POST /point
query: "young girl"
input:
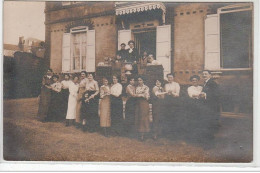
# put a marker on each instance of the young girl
(105, 117)
(71, 112)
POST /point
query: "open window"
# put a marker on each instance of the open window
(78, 50)
(228, 38)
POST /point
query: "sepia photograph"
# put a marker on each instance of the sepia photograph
(128, 81)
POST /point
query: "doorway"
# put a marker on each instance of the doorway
(146, 41)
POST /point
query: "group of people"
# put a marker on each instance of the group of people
(132, 56)
(84, 104)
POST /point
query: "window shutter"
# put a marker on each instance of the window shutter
(212, 42)
(163, 47)
(91, 52)
(123, 37)
(66, 60)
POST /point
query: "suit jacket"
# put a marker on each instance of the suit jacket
(133, 56)
(212, 94)
(123, 54)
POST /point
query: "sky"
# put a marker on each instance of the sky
(23, 19)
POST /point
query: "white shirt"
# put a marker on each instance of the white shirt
(174, 87)
(116, 89)
(194, 91)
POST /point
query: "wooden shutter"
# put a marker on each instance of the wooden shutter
(91, 51)
(123, 37)
(66, 58)
(212, 42)
(163, 47)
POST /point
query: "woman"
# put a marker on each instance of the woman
(194, 107)
(65, 95)
(158, 95)
(130, 105)
(116, 105)
(142, 108)
(54, 113)
(45, 96)
(90, 104)
(82, 86)
(105, 111)
(132, 56)
(72, 103)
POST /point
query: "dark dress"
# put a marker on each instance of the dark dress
(123, 53)
(45, 98)
(116, 109)
(157, 108)
(65, 98)
(130, 109)
(55, 109)
(89, 111)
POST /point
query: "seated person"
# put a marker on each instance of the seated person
(152, 61)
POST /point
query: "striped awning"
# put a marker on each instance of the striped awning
(124, 8)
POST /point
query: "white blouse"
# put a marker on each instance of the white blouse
(73, 89)
(173, 87)
(194, 91)
(65, 84)
(116, 89)
(143, 91)
(83, 82)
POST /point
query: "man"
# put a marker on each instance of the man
(143, 62)
(211, 107)
(122, 53)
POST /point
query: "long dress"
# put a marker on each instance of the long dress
(105, 111)
(193, 109)
(65, 97)
(72, 103)
(142, 109)
(82, 86)
(172, 109)
(116, 108)
(130, 108)
(54, 113)
(157, 108)
(45, 98)
(89, 108)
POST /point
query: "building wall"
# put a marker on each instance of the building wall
(189, 40)
(104, 25)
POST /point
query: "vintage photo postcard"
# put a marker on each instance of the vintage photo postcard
(128, 81)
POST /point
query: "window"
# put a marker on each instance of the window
(228, 38)
(78, 50)
(235, 32)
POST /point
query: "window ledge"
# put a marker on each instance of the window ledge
(236, 69)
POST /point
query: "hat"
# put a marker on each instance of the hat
(122, 44)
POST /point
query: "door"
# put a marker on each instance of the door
(123, 37)
(163, 47)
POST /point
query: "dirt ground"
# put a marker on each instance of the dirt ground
(27, 139)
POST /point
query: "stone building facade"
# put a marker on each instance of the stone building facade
(186, 37)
